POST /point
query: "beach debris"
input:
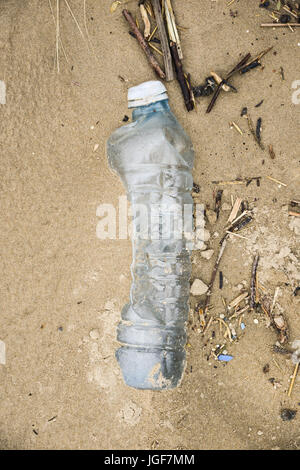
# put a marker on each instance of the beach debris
(264, 4)
(235, 210)
(258, 130)
(240, 181)
(296, 361)
(266, 368)
(286, 414)
(280, 350)
(253, 282)
(276, 320)
(218, 89)
(278, 25)
(164, 40)
(244, 111)
(206, 89)
(183, 80)
(259, 104)
(115, 5)
(198, 287)
(143, 43)
(224, 357)
(296, 354)
(218, 201)
(250, 66)
(276, 181)
(233, 124)
(214, 273)
(196, 188)
(276, 383)
(237, 300)
(207, 254)
(294, 208)
(271, 152)
(147, 24)
(172, 28)
(220, 81)
(221, 280)
(255, 133)
(293, 379)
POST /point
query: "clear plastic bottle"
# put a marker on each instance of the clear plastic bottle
(154, 158)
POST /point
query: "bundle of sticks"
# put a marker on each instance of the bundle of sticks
(161, 12)
(158, 17)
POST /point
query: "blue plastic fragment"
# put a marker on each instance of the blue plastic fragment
(225, 358)
(243, 326)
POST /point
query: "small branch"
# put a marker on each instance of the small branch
(172, 29)
(181, 78)
(164, 40)
(293, 379)
(143, 43)
(237, 68)
(253, 281)
(276, 25)
(147, 25)
(214, 273)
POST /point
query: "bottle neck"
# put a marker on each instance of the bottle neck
(159, 106)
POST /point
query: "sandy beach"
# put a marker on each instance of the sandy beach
(62, 288)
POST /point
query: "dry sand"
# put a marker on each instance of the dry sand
(62, 288)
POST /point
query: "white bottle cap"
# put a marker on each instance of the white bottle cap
(146, 93)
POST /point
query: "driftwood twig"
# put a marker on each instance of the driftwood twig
(253, 282)
(164, 40)
(214, 273)
(181, 78)
(143, 43)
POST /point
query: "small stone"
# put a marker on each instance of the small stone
(200, 245)
(287, 415)
(206, 235)
(198, 287)
(279, 322)
(255, 321)
(211, 216)
(259, 433)
(207, 254)
(96, 146)
(94, 334)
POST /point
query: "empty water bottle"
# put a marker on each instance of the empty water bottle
(154, 158)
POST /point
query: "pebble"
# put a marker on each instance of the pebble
(198, 287)
(94, 334)
(207, 254)
(255, 321)
(260, 433)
